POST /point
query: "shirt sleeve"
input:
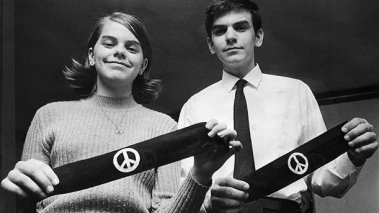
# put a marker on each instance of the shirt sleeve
(187, 114)
(186, 118)
(338, 176)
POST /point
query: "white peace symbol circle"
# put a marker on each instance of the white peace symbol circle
(127, 164)
(300, 167)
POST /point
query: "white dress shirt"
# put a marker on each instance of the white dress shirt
(283, 114)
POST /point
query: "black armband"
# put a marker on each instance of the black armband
(296, 164)
(136, 158)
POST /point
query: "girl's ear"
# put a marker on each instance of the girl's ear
(91, 57)
(143, 66)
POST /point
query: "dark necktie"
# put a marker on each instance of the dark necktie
(244, 160)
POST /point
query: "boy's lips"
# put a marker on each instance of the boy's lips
(232, 48)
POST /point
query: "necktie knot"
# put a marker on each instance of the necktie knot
(241, 83)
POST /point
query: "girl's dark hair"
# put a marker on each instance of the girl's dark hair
(82, 77)
(219, 7)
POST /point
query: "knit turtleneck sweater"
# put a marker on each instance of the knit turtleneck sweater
(65, 132)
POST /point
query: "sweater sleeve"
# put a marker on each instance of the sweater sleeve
(38, 142)
(168, 197)
(188, 198)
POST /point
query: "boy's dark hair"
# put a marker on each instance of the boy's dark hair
(219, 7)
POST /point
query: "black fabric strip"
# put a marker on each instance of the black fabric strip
(277, 174)
(153, 153)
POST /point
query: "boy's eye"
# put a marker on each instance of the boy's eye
(218, 31)
(241, 27)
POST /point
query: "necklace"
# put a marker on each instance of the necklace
(119, 130)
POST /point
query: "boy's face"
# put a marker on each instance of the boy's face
(233, 41)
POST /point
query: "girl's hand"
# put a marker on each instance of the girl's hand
(31, 177)
(206, 163)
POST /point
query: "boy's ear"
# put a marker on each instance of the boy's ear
(211, 46)
(259, 38)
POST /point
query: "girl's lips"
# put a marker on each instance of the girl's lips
(118, 62)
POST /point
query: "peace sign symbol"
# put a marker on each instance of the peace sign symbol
(300, 162)
(129, 159)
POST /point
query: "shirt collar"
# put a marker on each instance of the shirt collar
(254, 77)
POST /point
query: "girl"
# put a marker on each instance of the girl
(114, 83)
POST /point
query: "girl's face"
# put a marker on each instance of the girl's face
(117, 57)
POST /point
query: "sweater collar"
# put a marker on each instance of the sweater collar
(113, 103)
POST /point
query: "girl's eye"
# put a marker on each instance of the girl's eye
(108, 44)
(132, 48)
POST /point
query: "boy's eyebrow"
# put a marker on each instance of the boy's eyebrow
(217, 26)
(244, 22)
